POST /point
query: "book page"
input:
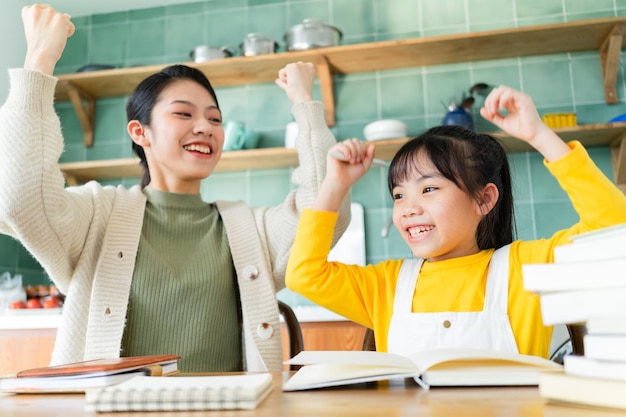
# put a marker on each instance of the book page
(340, 357)
(429, 358)
(418, 362)
(606, 232)
(327, 375)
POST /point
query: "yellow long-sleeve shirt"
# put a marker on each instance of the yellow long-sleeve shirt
(366, 294)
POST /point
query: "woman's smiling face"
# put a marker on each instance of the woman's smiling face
(184, 141)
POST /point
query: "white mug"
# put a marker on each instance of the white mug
(291, 131)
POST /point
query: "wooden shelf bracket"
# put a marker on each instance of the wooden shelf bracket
(618, 157)
(326, 85)
(85, 107)
(609, 57)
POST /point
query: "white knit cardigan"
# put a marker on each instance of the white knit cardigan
(87, 237)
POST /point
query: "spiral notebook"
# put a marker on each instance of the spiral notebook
(220, 392)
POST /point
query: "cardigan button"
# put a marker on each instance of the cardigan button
(447, 324)
(251, 272)
(120, 254)
(265, 330)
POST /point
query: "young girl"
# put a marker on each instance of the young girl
(153, 269)
(453, 207)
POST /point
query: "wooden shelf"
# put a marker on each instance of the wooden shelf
(80, 172)
(610, 134)
(603, 35)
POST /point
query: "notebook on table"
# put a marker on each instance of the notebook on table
(190, 393)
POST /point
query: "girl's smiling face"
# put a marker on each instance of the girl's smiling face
(436, 218)
(184, 140)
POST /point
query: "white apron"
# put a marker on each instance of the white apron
(488, 329)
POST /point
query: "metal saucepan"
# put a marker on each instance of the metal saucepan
(257, 44)
(204, 53)
(311, 34)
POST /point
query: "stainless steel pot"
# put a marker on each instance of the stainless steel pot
(311, 34)
(257, 44)
(204, 53)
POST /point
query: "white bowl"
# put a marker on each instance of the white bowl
(385, 129)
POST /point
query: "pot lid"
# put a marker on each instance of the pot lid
(313, 24)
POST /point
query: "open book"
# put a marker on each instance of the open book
(79, 376)
(439, 367)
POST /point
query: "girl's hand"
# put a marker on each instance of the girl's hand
(522, 121)
(357, 159)
(341, 175)
(46, 33)
(297, 81)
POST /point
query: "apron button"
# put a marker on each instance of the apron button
(447, 324)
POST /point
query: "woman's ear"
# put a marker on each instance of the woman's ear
(488, 199)
(137, 133)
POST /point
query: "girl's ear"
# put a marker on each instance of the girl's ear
(137, 133)
(488, 199)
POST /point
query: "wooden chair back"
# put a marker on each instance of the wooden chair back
(296, 343)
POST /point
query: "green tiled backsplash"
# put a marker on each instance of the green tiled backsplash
(164, 35)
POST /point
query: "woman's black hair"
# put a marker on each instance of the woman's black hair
(143, 98)
(470, 160)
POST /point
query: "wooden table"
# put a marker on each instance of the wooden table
(387, 399)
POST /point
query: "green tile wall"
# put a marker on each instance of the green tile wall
(166, 35)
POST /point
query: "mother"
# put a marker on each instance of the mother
(153, 269)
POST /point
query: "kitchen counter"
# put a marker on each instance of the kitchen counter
(31, 319)
(315, 314)
(27, 336)
(51, 319)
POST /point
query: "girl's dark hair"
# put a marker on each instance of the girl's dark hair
(470, 160)
(143, 98)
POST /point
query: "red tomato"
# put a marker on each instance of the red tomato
(17, 305)
(51, 302)
(33, 303)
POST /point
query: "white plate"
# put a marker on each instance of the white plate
(385, 129)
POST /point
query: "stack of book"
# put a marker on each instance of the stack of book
(586, 284)
(80, 376)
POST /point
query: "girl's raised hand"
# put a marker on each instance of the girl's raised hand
(522, 121)
(347, 162)
(46, 33)
(297, 80)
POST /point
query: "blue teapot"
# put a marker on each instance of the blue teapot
(458, 116)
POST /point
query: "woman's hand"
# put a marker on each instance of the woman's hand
(297, 81)
(347, 162)
(522, 121)
(46, 33)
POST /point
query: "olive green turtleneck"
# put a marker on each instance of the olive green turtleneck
(183, 296)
